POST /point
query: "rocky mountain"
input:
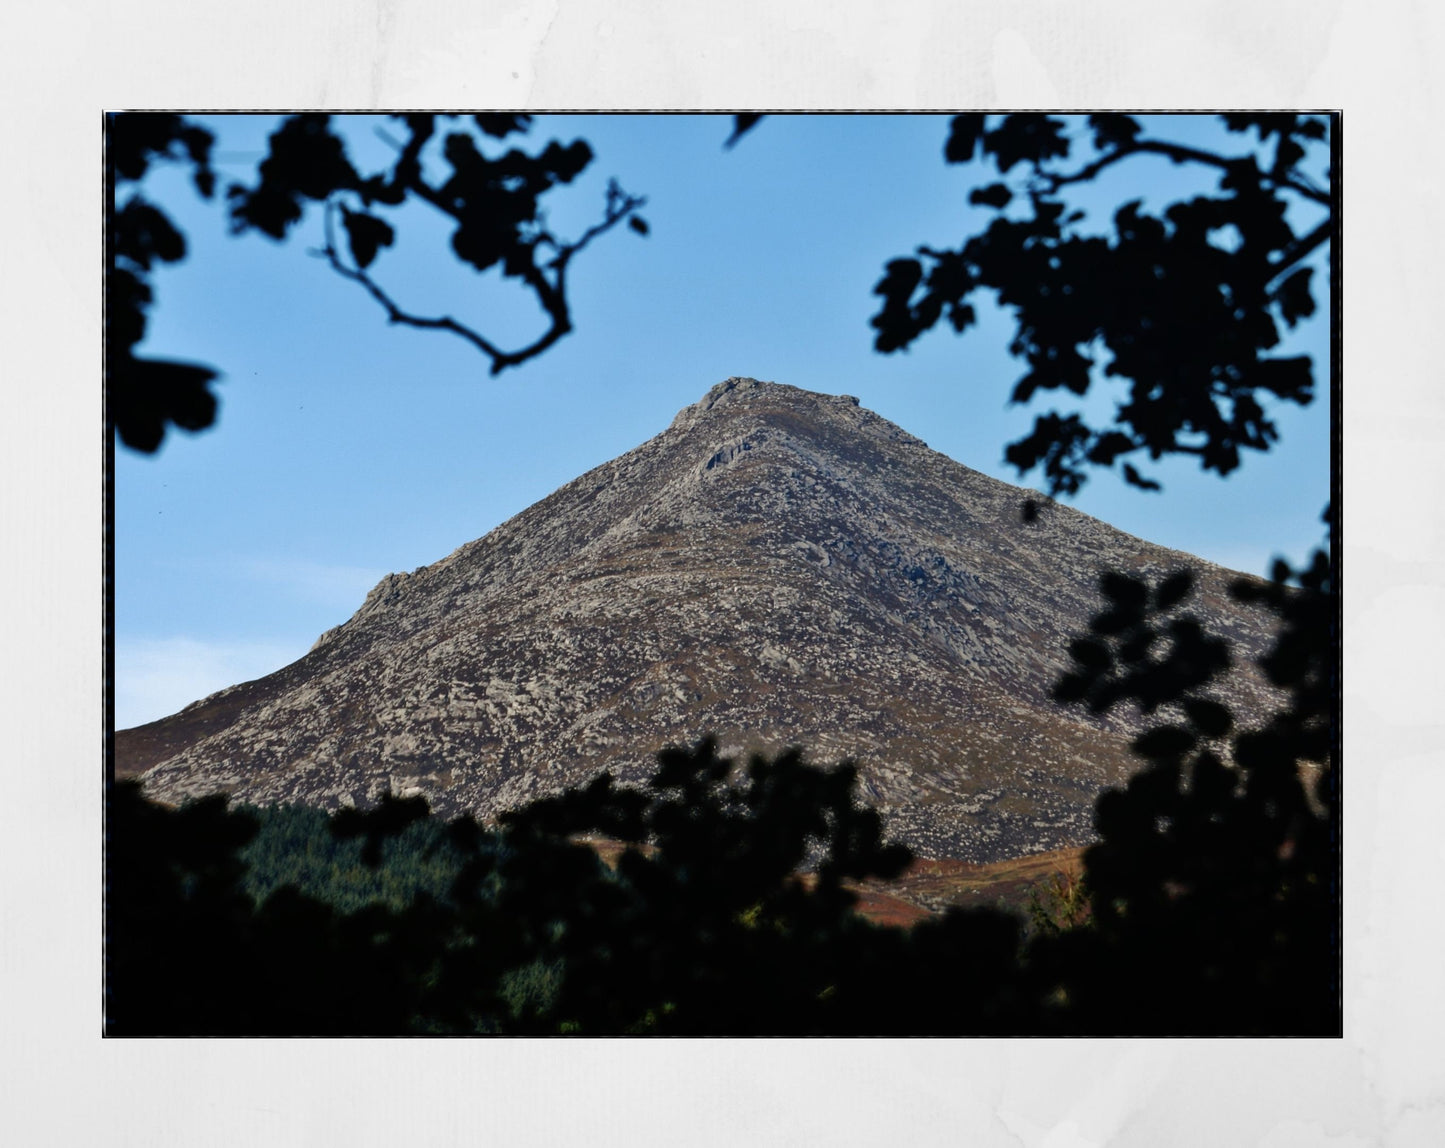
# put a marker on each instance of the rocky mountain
(778, 567)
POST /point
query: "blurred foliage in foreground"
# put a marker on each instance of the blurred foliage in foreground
(1212, 894)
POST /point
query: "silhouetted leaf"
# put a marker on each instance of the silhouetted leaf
(127, 296)
(566, 161)
(1296, 302)
(1091, 653)
(499, 125)
(1072, 687)
(638, 224)
(267, 209)
(1287, 153)
(1174, 589)
(1123, 589)
(1112, 130)
(1264, 123)
(147, 394)
(1164, 743)
(961, 316)
(1026, 137)
(1134, 478)
(141, 233)
(1210, 718)
(1137, 647)
(1248, 590)
(964, 132)
(1108, 446)
(896, 323)
(996, 195)
(1115, 621)
(743, 123)
(366, 233)
(306, 161)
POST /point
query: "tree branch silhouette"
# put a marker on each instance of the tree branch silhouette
(1185, 322)
(1052, 182)
(493, 199)
(551, 293)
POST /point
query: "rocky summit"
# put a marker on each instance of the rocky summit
(776, 568)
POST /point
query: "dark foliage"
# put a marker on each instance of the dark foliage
(1214, 889)
(743, 123)
(492, 198)
(188, 952)
(707, 928)
(727, 913)
(1213, 894)
(1212, 897)
(1160, 302)
(147, 395)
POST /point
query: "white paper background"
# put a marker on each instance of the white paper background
(61, 64)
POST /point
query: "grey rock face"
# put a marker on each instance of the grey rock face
(777, 568)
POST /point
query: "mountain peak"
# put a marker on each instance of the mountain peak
(740, 392)
(779, 567)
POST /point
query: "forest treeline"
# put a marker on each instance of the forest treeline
(1213, 890)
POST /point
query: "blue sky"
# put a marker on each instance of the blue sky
(346, 448)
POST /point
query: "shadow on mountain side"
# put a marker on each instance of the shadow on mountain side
(1213, 895)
